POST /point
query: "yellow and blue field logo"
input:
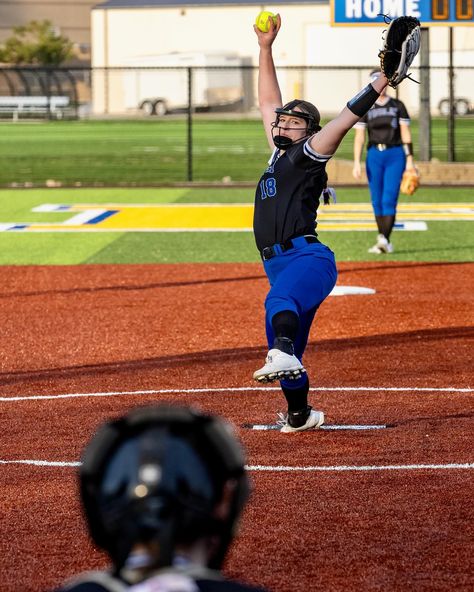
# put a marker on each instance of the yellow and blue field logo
(221, 217)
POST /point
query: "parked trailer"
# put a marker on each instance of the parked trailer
(159, 84)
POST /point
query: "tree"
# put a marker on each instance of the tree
(36, 43)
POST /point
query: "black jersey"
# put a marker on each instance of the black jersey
(287, 195)
(383, 122)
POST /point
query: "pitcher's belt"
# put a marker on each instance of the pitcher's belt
(382, 147)
(292, 243)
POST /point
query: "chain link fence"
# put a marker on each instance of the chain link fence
(155, 125)
(158, 91)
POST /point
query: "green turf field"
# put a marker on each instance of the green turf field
(155, 151)
(443, 241)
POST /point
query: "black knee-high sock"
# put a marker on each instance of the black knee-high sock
(378, 221)
(285, 326)
(385, 225)
(297, 398)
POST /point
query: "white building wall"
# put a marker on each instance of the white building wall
(151, 31)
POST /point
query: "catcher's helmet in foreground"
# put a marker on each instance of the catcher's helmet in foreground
(155, 476)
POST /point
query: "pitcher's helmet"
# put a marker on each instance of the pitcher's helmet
(306, 111)
(156, 475)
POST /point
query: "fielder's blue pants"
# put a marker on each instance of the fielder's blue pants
(384, 173)
(300, 279)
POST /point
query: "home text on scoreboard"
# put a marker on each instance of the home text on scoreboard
(428, 12)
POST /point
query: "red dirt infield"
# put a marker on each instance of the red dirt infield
(387, 509)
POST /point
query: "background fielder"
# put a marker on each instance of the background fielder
(389, 154)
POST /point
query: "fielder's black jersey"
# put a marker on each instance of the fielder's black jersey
(287, 195)
(383, 122)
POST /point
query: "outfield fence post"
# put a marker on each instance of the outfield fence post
(190, 124)
(451, 131)
(48, 74)
(424, 153)
(73, 82)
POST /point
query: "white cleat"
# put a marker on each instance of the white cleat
(381, 246)
(314, 419)
(375, 250)
(279, 365)
(388, 248)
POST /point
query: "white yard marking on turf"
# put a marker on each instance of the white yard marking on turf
(83, 217)
(242, 389)
(38, 227)
(45, 208)
(283, 468)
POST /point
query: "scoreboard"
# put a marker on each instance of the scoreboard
(428, 12)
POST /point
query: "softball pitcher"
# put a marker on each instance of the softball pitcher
(300, 269)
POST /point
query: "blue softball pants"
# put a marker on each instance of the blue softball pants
(384, 173)
(300, 279)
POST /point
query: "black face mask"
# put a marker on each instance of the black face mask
(312, 126)
(283, 142)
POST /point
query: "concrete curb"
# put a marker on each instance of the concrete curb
(432, 173)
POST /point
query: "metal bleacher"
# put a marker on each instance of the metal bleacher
(53, 106)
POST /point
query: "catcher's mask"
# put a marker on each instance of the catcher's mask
(307, 111)
(156, 476)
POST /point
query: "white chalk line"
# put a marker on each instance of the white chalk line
(283, 468)
(41, 463)
(336, 468)
(235, 390)
(329, 427)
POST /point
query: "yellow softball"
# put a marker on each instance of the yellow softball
(262, 20)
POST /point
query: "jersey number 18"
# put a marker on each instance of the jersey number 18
(268, 187)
